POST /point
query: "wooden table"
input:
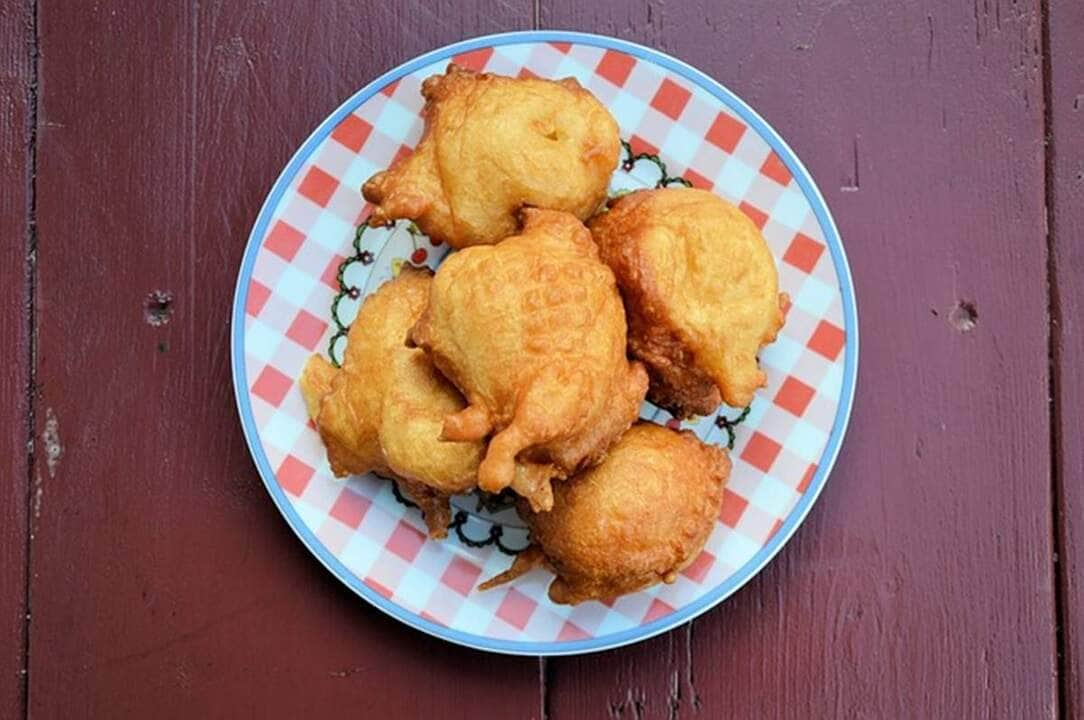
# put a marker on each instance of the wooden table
(144, 571)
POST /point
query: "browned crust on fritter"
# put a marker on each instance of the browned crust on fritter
(599, 558)
(677, 384)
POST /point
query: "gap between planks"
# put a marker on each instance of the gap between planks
(30, 306)
(1053, 313)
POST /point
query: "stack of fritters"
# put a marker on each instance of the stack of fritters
(524, 360)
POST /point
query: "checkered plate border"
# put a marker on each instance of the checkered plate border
(783, 453)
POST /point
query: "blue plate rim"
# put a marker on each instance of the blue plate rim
(714, 596)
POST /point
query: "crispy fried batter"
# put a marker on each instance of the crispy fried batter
(637, 519)
(701, 292)
(493, 145)
(383, 410)
(532, 331)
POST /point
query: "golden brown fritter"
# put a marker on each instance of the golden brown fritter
(701, 292)
(383, 411)
(637, 519)
(532, 331)
(493, 145)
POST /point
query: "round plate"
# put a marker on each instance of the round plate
(305, 251)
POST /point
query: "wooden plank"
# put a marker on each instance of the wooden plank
(1065, 109)
(921, 585)
(164, 578)
(16, 37)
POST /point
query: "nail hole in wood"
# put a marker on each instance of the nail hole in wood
(158, 308)
(964, 317)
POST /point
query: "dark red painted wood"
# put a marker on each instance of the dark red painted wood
(1066, 112)
(15, 81)
(921, 585)
(164, 579)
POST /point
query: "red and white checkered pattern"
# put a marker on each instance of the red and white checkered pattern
(382, 542)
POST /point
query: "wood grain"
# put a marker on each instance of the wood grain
(15, 130)
(1065, 108)
(921, 585)
(164, 580)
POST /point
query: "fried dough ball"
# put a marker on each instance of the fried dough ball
(635, 520)
(701, 292)
(383, 411)
(493, 145)
(533, 333)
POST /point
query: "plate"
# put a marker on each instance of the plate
(307, 266)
